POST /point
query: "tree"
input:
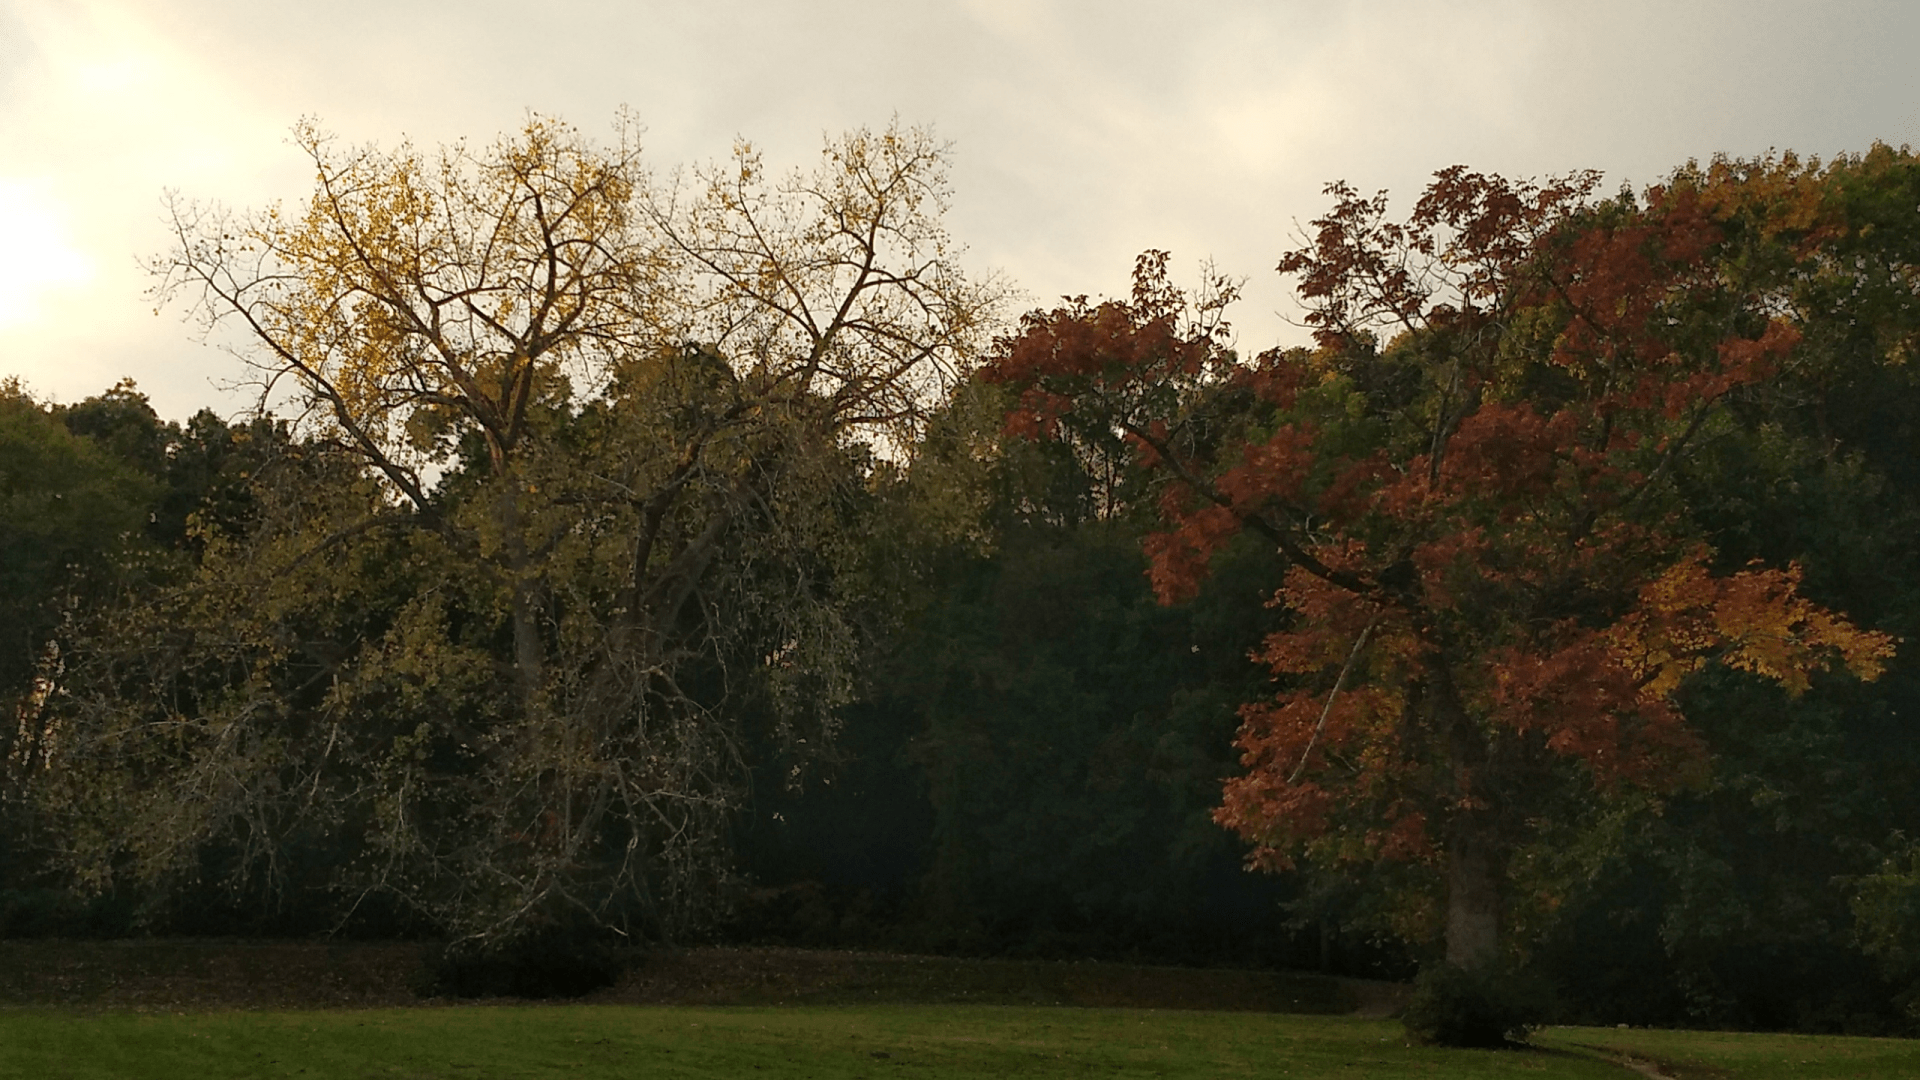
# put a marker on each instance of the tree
(417, 299)
(72, 516)
(97, 495)
(1731, 903)
(1497, 597)
(521, 686)
(71, 507)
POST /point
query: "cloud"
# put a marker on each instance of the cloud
(108, 112)
(34, 230)
(1084, 131)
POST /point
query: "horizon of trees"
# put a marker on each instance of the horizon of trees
(768, 586)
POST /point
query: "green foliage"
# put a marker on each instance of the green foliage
(1886, 910)
(1072, 733)
(95, 499)
(70, 509)
(74, 517)
(326, 724)
(1069, 730)
(1032, 768)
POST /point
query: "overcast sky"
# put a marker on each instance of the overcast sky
(1082, 132)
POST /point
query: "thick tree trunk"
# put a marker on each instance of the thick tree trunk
(529, 660)
(529, 651)
(1475, 858)
(1473, 896)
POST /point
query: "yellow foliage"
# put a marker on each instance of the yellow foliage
(1754, 621)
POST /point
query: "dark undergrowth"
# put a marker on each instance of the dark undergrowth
(207, 973)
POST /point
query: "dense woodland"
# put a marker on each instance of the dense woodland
(627, 560)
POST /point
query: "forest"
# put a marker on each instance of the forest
(619, 561)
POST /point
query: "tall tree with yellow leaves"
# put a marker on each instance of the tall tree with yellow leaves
(648, 406)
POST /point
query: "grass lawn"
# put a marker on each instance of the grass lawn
(626, 1041)
(1700, 1055)
(907, 1042)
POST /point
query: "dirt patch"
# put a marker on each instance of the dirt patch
(293, 975)
(209, 974)
(1377, 1000)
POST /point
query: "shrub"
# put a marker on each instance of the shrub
(1492, 1006)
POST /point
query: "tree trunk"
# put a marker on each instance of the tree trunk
(1473, 896)
(1475, 860)
(529, 651)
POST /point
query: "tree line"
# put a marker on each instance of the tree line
(651, 560)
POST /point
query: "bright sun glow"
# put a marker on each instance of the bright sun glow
(39, 255)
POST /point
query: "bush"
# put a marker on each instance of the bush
(1492, 1006)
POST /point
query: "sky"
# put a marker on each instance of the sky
(1082, 133)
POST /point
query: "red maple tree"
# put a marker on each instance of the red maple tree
(1496, 593)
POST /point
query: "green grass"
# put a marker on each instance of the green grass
(1700, 1055)
(620, 1041)
(903, 1042)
